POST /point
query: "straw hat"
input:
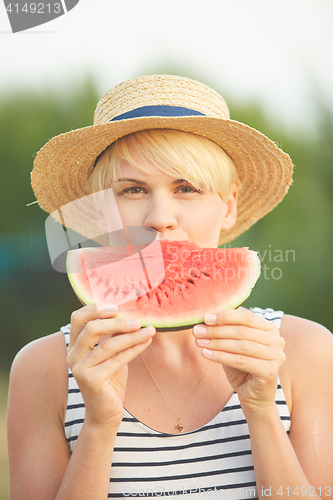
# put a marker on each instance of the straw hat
(63, 166)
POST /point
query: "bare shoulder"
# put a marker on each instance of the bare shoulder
(309, 354)
(46, 353)
(302, 336)
(37, 448)
(309, 372)
(39, 372)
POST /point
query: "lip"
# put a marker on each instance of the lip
(163, 238)
(173, 239)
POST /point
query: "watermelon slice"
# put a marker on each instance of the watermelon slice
(167, 283)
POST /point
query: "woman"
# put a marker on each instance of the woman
(238, 406)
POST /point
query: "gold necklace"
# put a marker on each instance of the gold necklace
(179, 426)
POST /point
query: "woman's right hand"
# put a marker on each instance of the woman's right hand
(101, 370)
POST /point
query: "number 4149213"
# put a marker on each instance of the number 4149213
(303, 491)
(34, 8)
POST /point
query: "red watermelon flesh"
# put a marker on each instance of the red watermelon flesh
(166, 284)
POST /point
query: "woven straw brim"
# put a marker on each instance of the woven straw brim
(63, 166)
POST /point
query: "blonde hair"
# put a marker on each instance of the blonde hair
(194, 158)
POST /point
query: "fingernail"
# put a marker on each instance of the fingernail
(147, 329)
(202, 342)
(200, 330)
(132, 323)
(207, 352)
(211, 318)
(111, 308)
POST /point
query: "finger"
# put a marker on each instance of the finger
(237, 332)
(240, 316)
(267, 369)
(94, 330)
(82, 316)
(242, 347)
(113, 346)
(114, 363)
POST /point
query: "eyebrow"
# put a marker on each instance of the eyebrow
(143, 183)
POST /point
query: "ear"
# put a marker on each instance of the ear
(231, 213)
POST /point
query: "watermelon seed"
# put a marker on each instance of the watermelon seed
(191, 281)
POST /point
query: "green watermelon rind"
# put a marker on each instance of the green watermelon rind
(168, 322)
(82, 296)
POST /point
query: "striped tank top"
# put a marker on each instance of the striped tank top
(214, 460)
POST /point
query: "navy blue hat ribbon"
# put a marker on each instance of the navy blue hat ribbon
(158, 110)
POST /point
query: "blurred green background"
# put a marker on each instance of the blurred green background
(294, 241)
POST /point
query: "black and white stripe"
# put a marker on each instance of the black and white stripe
(214, 460)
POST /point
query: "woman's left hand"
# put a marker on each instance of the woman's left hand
(250, 349)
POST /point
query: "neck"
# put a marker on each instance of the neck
(174, 348)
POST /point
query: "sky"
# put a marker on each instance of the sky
(278, 52)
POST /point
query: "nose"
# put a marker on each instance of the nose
(161, 214)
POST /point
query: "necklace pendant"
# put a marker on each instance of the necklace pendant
(179, 427)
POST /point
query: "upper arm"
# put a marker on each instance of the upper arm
(309, 351)
(37, 448)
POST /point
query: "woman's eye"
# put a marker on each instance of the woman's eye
(132, 190)
(189, 189)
